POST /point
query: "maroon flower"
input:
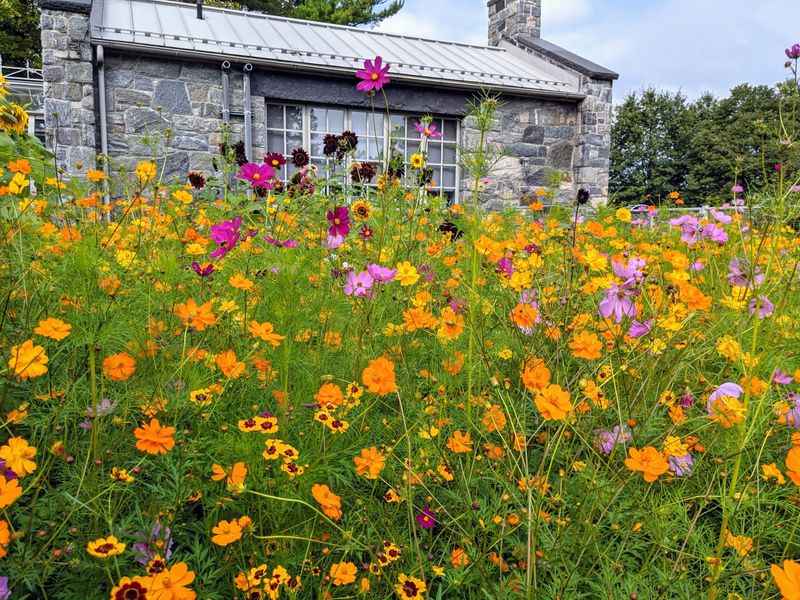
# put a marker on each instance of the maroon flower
(275, 160)
(426, 519)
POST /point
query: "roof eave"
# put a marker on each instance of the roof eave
(567, 58)
(200, 55)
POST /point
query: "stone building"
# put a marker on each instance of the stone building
(138, 79)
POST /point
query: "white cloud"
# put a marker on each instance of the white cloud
(558, 12)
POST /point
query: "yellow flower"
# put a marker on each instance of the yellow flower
(406, 273)
(623, 214)
(105, 547)
(28, 360)
(182, 196)
(417, 161)
(53, 328)
(145, 171)
(17, 455)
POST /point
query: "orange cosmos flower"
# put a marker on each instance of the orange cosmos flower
(793, 465)
(226, 532)
(524, 315)
(553, 403)
(154, 438)
(119, 367)
(192, 315)
(236, 475)
(535, 375)
(787, 579)
(649, 461)
(331, 503)
(458, 558)
(370, 463)
(264, 331)
(343, 573)
(28, 360)
(329, 396)
(586, 345)
(170, 584)
(17, 455)
(460, 443)
(494, 419)
(694, 298)
(240, 282)
(229, 364)
(378, 377)
(9, 491)
(53, 328)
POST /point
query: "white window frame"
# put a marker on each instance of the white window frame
(387, 124)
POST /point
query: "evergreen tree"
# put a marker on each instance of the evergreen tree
(342, 12)
(20, 40)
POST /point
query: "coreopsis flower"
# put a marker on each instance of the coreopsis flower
(28, 360)
(787, 579)
(330, 503)
(226, 532)
(649, 461)
(170, 584)
(119, 367)
(379, 377)
(343, 573)
(410, 588)
(105, 547)
(373, 76)
(53, 328)
(128, 588)
(339, 219)
(370, 463)
(154, 438)
(259, 176)
(553, 402)
(266, 332)
(195, 316)
(16, 455)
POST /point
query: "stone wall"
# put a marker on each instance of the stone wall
(177, 104)
(69, 104)
(511, 18)
(539, 138)
(593, 150)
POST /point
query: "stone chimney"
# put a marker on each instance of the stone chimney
(512, 18)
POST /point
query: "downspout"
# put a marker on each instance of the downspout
(226, 95)
(101, 91)
(248, 113)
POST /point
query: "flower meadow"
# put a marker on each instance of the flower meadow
(247, 385)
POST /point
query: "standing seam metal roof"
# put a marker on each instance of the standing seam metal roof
(172, 27)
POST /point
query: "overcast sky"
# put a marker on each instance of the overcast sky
(688, 45)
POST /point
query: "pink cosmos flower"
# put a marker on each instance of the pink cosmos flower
(381, 274)
(257, 175)
(426, 519)
(359, 285)
(373, 76)
(716, 233)
(332, 242)
(638, 330)
(427, 129)
(764, 306)
(781, 378)
(281, 244)
(203, 271)
(340, 221)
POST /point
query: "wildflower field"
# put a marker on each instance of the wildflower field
(340, 387)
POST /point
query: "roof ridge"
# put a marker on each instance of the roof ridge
(208, 8)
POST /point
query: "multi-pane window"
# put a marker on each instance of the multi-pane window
(293, 126)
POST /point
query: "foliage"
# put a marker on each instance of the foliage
(20, 39)
(342, 12)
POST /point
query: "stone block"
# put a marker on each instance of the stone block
(172, 97)
(118, 77)
(159, 69)
(559, 156)
(143, 120)
(533, 134)
(559, 133)
(527, 150)
(79, 72)
(190, 141)
(78, 27)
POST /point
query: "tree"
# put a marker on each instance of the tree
(342, 12)
(650, 139)
(20, 40)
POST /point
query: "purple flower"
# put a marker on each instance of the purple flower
(792, 415)
(332, 242)
(617, 302)
(427, 129)
(687, 400)
(764, 306)
(5, 593)
(689, 228)
(739, 273)
(285, 244)
(730, 390)
(619, 434)
(426, 519)
(504, 266)
(782, 378)
(257, 175)
(793, 52)
(339, 218)
(721, 216)
(373, 75)
(158, 541)
(6, 471)
(106, 407)
(631, 273)
(226, 235)
(203, 271)
(638, 330)
(716, 233)
(737, 189)
(359, 285)
(682, 466)
(381, 274)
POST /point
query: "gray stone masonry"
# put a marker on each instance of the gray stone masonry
(511, 18)
(533, 139)
(172, 110)
(69, 102)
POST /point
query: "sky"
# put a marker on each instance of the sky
(692, 46)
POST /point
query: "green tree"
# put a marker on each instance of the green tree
(20, 40)
(342, 12)
(650, 137)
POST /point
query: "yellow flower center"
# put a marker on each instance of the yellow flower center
(256, 176)
(374, 77)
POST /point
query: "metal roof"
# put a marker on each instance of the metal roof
(169, 27)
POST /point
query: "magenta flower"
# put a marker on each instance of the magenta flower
(340, 221)
(365, 233)
(203, 271)
(281, 244)
(381, 274)
(426, 519)
(427, 129)
(275, 160)
(225, 234)
(373, 76)
(257, 175)
(793, 52)
(359, 285)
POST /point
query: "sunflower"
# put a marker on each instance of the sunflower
(13, 118)
(417, 161)
(361, 210)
